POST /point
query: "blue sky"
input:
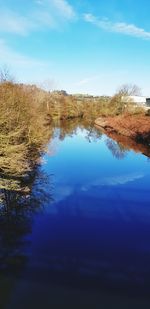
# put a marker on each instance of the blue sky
(82, 46)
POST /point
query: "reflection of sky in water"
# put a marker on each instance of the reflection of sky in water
(79, 166)
(98, 225)
(96, 194)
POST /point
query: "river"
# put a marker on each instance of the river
(84, 239)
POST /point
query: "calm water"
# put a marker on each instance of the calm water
(85, 240)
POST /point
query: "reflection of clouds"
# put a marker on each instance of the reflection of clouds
(102, 199)
(81, 132)
(113, 181)
(121, 180)
(53, 148)
(43, 161)
(51, 151)
(61, 192)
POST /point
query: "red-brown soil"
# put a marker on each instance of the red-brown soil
(133, 132)
(135, 127)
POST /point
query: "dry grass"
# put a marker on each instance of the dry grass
(136, 127)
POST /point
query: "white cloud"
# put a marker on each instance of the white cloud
(40, 2)
(45, 14)
(15, 58)
(118, 27)
(64, 8)
(13, 23)
(87, 80)
(25, 69)
(43, 18)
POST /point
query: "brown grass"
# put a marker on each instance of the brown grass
(136, 127)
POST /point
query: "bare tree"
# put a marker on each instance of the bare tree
(129, 89)
(48, 84)
(5, 74)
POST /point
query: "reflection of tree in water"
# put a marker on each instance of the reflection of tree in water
(16, 215)
(70, 127)
(93, 135)
(22, 198)
(117, 149)
(18, 206)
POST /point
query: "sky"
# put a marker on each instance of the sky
(81, 46)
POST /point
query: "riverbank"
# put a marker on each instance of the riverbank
(28, 116)
(135, 127)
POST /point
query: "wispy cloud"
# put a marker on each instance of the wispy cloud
(44, 14)
(87, 80)
(27, 69)
(16, 58)
(14, 23)
(118, 27)
(64, 8)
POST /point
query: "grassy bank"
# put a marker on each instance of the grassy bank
(28, 115)
(22, 133)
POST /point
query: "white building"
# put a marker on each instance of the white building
(139, 100)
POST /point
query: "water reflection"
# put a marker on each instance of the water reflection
(16, 218)
(18, 207)
(70, 127)
(126, 144)
(83, 224)
(117, 149)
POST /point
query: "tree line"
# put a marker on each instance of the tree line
(28, 115)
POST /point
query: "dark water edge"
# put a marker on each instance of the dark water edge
(127, 142)
(81, 239)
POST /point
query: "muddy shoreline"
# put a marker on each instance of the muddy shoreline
(132, 132)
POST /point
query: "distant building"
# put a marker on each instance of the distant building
(90, 98)
(60, 92)
(139, 100)
(148, 101)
